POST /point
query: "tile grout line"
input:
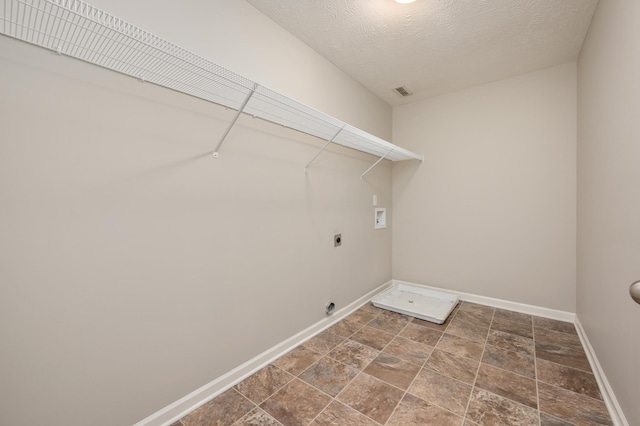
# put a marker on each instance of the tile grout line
(569, 390)
(326, 355)
(273, 393)
(535, 371)
(237, 422)
(342, 390)
(561, 365)
(564, 365)
(335, 398)
(509, 371)
(473, 386)
(563, 420)
(535, 365)
(421, 367)
(242, 395)
(410, 384)
(294, 378)
(480, 362)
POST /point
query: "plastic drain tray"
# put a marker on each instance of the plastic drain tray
(430, 305)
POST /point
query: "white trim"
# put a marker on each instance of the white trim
(206, 393)
(504, 304)
(610, 400)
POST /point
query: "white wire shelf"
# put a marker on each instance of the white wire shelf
(77, 29)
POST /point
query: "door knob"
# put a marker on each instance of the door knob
(634, 290)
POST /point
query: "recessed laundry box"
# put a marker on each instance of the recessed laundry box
(424, 303)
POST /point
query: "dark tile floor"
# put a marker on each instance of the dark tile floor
(483, 366)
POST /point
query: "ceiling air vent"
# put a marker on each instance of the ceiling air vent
(402, 91)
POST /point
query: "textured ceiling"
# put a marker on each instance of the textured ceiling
(435, 46)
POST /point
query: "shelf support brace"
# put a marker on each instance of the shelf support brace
(323, 148)
(235, 118)
(376, 163)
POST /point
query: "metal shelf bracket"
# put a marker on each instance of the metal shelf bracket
(235, 118)
(323, 148)
(376, 163)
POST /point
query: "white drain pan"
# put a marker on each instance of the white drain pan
(430, 305)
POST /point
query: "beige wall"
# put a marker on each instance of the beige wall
(609, 196)
(492, 209)
(134, 267)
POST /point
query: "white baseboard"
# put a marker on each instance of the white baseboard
(615, 411)
(504, 304)
(206, 393)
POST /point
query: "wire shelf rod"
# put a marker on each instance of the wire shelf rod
(323, 148)
(235, 118)
(375, 164)
(113, 62)
(80, 30)
(122, 44)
